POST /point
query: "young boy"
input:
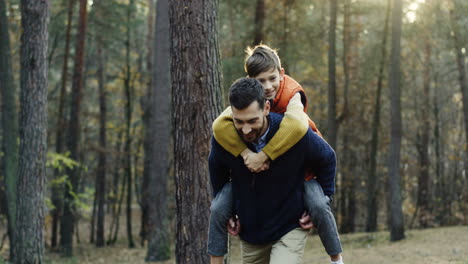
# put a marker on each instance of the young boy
(286, 96)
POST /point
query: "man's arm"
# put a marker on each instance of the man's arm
(322, 158)
(219, 172)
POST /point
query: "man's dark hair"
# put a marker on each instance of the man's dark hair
(245, 91)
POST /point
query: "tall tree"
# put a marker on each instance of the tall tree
(397, 231)
(148, 143)
(196, 78)
(456, 35)
(128, 120)
(102, 160)
(372, 180)
(259, 22)
(67, 223)
(332, 129)
(29, 244)
(57, 190)
(160, 134)
(9, 124)
(423, 199)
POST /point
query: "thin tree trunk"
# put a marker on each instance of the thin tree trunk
(10, 126)
(397, 231)
(57, 190)
(259, 21)
(29, 238)
(332, 130)
(67, 223)
(373, 182)
(423, 199)
(461, 71)
(102, 165)
(196, 82)
(147, 115)
(160, 135)
(128, 141)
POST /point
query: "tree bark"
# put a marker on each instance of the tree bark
(423, 199)
(196, 82)
(102, 162)
(373, 182)
(128, 120)
(461, 72)
(160, 135)
(259, 22)
(10, 126)
(148, 144)
(67, 223)
(332, 130)
(29, 246)
(397, 231)
(57, 191)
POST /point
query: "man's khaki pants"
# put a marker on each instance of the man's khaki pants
(288, 249)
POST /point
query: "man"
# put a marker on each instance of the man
(268, 204)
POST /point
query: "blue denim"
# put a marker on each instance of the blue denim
(318, 206)
(221, 210)
(316, 202)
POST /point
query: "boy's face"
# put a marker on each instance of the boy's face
(270, 81)
(251, 122)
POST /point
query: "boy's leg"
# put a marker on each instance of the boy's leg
(290, 247)
(318, 206)
(221, 211)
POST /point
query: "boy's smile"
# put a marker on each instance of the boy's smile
(270, 81)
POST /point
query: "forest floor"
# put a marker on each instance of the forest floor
(435, 245)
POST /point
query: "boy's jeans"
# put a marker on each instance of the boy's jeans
(317, 204)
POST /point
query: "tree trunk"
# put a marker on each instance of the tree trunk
(57, 190)
(423, 199)
(128, 140)
(29, 243)
(196, 82)
(373, 183)
(332, 130)
(259, 21)
(397, 231)
(160, 135)
(102, 163)
(67, 222)
(461, 71)
(148, 144)
(10, 126)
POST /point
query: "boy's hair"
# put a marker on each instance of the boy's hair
(261, 58)
(245, 91)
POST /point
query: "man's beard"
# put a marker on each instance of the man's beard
(254, 135)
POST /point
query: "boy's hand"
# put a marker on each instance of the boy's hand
(233, 226)
(256, 162)
(305, 221)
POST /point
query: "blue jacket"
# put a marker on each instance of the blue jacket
(269, 204)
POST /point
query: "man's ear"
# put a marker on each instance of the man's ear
(266, 109)
(281, 73)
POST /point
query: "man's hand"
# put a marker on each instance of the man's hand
(255, 162)
(233, 226)
(305, 222)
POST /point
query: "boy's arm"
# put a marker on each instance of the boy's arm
(226, 135)
(292, 128)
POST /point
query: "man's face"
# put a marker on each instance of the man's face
(270, 81)
(251, 122)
